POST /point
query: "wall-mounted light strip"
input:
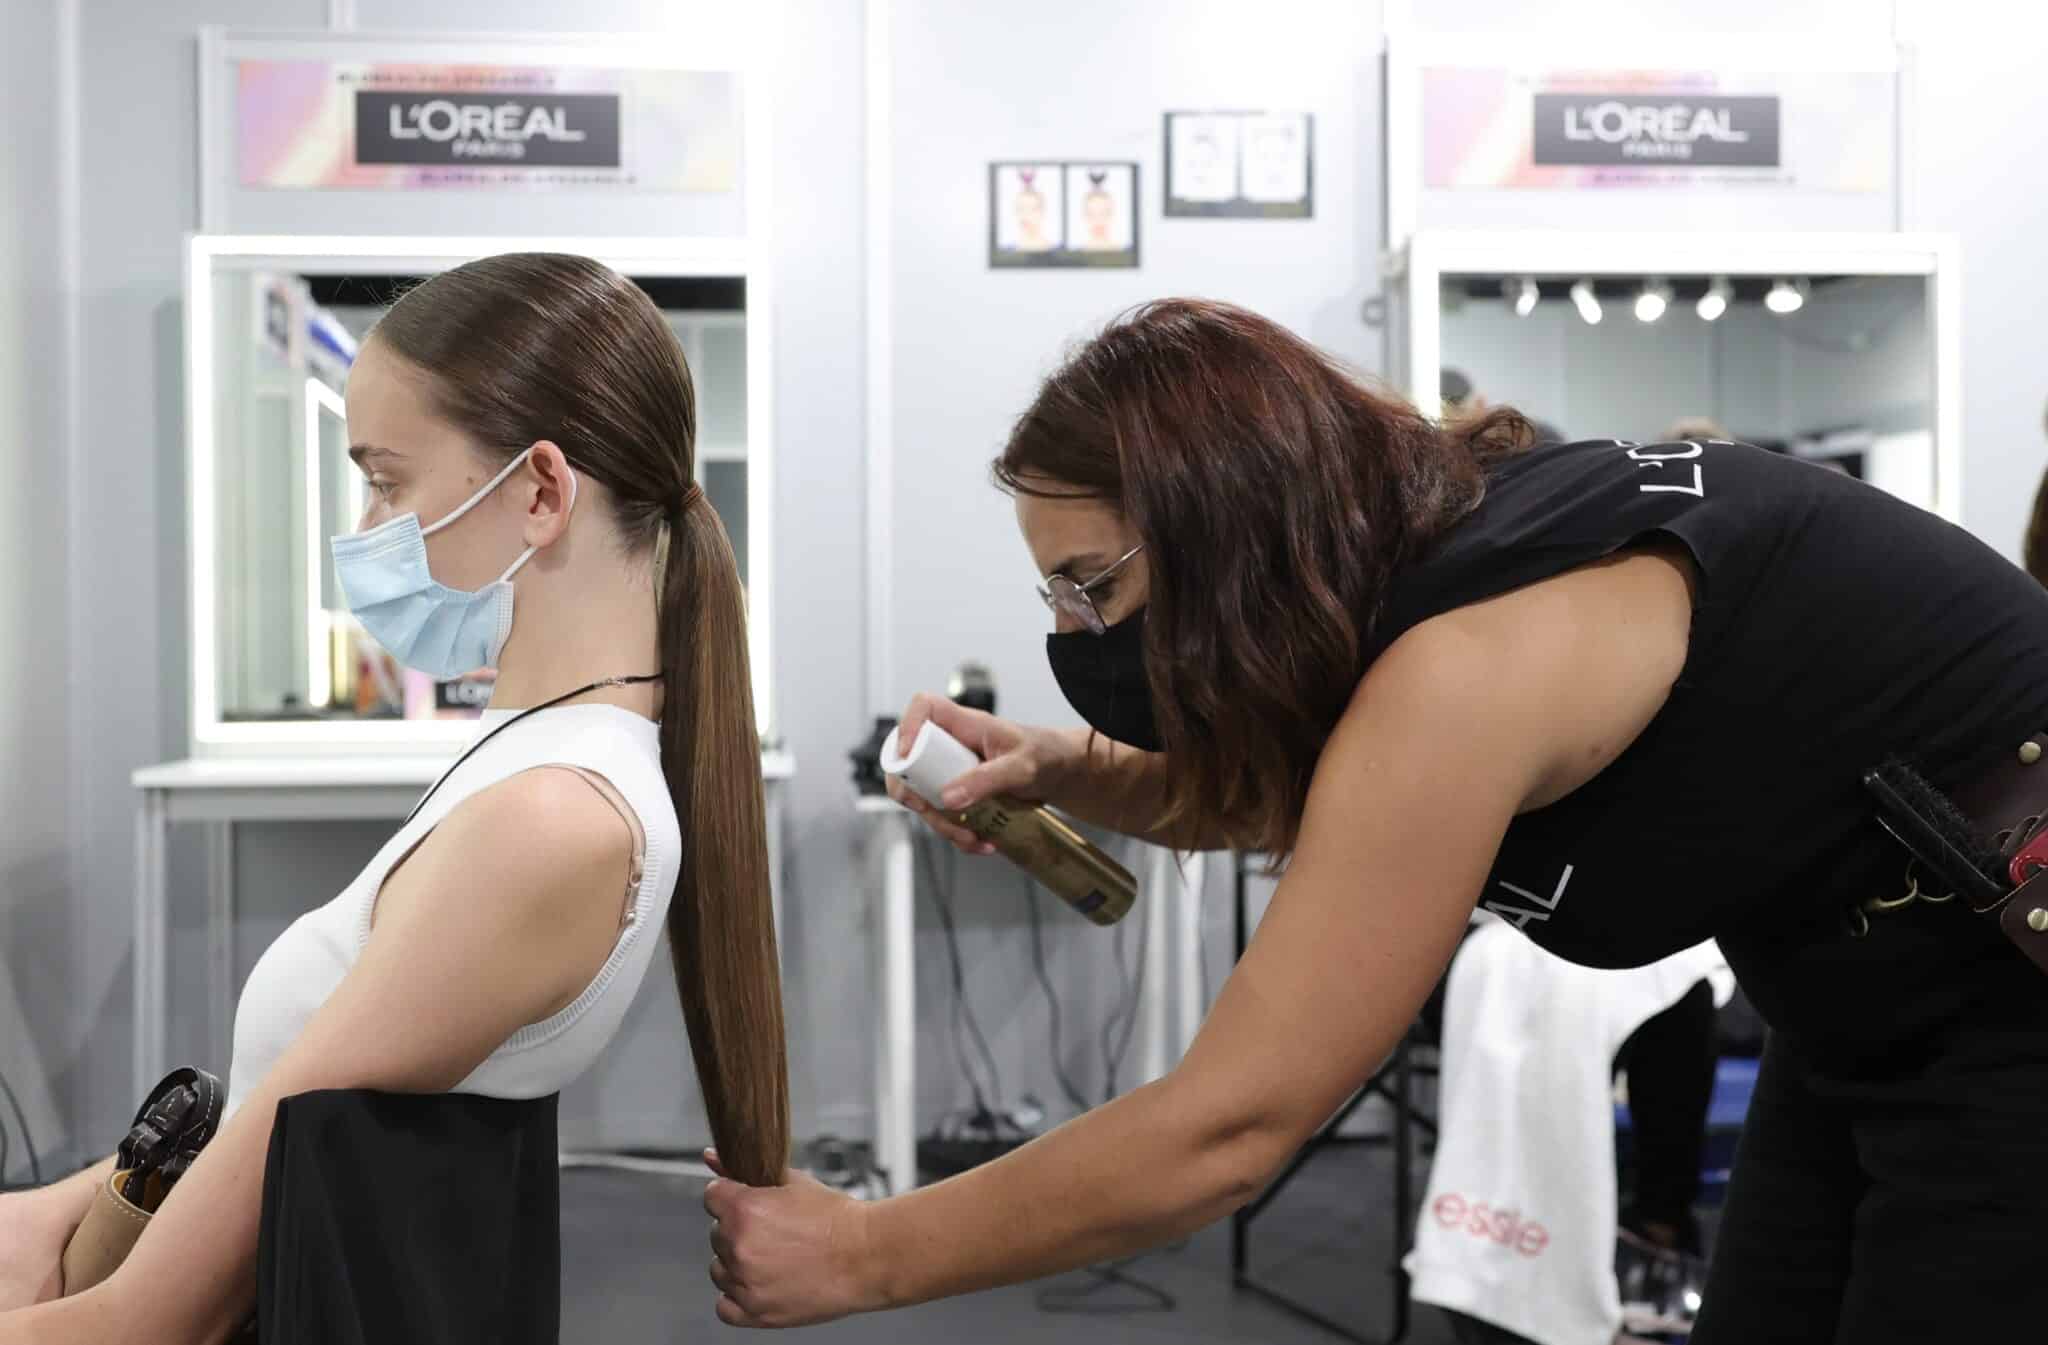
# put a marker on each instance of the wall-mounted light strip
(1438, 257)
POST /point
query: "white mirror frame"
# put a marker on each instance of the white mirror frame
(208, 254)
(1432, 254)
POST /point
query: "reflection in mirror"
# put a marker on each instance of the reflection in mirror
(1836, 369)
(283, 344)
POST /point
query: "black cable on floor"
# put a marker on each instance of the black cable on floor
(1137, 996)
(1120, 1024)
(1083, 1300)
(1109, 1019)
(1124, 1018)
(988, 1057)
(940, 901)
(1075, 1097)
(28, 1141)
(943, 901)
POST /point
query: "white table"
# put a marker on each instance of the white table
(219, 792)
(1172, 894)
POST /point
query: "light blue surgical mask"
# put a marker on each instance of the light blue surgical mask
(441, 631)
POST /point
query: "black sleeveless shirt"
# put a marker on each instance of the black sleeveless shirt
(1834, 625)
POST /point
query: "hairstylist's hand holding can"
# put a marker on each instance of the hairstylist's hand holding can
(1018, 760)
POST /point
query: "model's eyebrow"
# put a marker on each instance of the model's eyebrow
(364, 453)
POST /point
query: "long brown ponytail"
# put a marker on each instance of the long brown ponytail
(723, 937)
(530, 346)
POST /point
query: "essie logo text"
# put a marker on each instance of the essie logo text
(1477, 1219)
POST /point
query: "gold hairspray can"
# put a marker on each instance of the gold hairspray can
(1029, 835)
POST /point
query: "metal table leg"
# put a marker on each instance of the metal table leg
(775, 815)
(1157, 895)
(896, 1024)
(220, 945)
(150, 952)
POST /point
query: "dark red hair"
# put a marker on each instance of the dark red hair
(1276, 494)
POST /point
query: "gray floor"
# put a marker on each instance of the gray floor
(634, 1249)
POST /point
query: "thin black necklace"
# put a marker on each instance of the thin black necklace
(533, 710)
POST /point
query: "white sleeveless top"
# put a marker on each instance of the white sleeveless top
(299, 971)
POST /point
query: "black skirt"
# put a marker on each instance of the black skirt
(396, 1218)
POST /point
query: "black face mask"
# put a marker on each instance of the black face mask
(1103, 678)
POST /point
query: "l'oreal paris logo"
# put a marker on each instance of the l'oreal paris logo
(578, 130)
(1614, 128)
(484, 130)
(1677, 123)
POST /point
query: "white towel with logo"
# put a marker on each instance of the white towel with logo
(1518, 1225)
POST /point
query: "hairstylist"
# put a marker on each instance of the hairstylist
(1621, 695)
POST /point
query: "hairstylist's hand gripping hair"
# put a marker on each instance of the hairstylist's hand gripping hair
(809, 1228)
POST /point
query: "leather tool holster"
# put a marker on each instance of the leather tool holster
(2007, 801)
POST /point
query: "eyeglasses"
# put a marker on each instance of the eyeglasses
(1067, 598)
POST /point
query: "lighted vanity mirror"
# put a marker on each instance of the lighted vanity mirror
(1838, 350)
(273, 325)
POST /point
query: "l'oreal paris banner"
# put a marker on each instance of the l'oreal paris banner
(386, 126)
(1550, 129)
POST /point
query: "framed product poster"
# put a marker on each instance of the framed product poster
(1102, 211)
(1240, 165)
(1027, 213)
(1063, 214)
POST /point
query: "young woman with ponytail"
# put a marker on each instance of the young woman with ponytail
(527, 426)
